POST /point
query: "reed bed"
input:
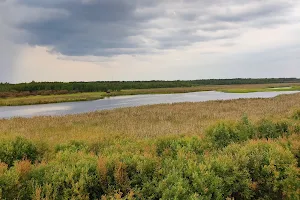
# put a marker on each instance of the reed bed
(146, 121)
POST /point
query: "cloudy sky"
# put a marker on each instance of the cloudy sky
(85, 40)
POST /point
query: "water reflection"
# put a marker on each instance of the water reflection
(126, 101)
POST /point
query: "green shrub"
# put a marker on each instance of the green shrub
(267, 129)
(222, 134)
(129, 172)
(73, 146)
(171, 146)
(234, 179)
(209, 178)
(97, 146)
(70, 175)
(175, 177)
(254, 170)
(225, 133)
(17, 149)
(167, 168)
(283, 128)
(272, 169)
(9, 183)
(296, 128)
(293, 144)
(245, 129)
(174, 186)
(296, 115)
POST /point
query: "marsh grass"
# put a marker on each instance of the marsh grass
(245, 90)
(89, 96)
(46, 99)
(144, 122)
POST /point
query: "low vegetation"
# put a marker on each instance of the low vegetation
(238, 149)
(266, 89)
(45, 97)
(296, 114)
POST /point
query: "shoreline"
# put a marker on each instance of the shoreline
(77, 108)
(91, 96)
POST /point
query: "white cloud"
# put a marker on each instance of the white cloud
(167, 40)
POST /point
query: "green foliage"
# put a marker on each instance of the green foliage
(17, 149)
(172, 146)
(268, 129)
(246, 130)
(233, 178)
(9, 180)
(296, 115)
(271, 169)
(73, 146)
(296, 128)
(69, 176)
(224, 133)
(283, 128)
(237, 165)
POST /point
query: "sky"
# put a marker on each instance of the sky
(93, 40)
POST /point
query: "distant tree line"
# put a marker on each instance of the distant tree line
(104, 86)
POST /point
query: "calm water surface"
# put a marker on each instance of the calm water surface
(125, 101)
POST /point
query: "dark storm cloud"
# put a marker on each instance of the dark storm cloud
(103, 27)
(88, 26)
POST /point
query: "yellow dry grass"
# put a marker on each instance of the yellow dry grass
(146, 121)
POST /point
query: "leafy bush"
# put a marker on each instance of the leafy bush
(171, 146)
(224, 133)
(69, 176)
(283, 128)
(127, 173)
(296, 115)
(296, 128)
(73, 146)
(272, 169)
(246, 130)
(9, 182)
(17, 149)
(293, 144)
(255, 170)
(233, 178)
(268, 129)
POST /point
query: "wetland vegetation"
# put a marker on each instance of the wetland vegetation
(44, 93)
(236, 149)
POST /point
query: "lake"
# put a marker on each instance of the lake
(126, 101)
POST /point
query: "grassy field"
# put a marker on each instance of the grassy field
(237, 149)
(45, 99)
(267, 89)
